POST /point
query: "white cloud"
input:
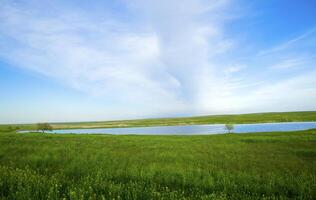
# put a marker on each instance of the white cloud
(287, 44)
(163, 59)
(160, 63)
(93, 56)
(280, 79)
(290, 63)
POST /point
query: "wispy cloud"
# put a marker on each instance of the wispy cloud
(160, 56)
(287, 44)
(291, 63)
(159, 63)
(99, 57)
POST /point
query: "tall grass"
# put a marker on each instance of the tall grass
(244, 166)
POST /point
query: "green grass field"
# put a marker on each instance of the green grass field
(231, 166)
(209, 119)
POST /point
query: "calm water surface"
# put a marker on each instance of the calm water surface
(194, 129)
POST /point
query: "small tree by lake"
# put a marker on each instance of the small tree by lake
(13, 128)
(229, 127)
(44, 127)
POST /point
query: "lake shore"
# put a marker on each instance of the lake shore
(303, 116)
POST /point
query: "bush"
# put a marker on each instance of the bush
(44, 127)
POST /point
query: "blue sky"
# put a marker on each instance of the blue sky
(102, 60)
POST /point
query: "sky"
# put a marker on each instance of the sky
(67, 60)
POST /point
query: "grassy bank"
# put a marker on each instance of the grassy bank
(210, 119)
(243, 166)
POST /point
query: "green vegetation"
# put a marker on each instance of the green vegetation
(210, 119)
(229, 127)
(44, 127)
(229, 166)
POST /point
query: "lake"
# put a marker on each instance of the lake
(193, 129)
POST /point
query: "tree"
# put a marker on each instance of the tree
(13, 128)
(229, 127)
(44, 127)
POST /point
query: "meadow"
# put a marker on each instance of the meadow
(278, 165)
